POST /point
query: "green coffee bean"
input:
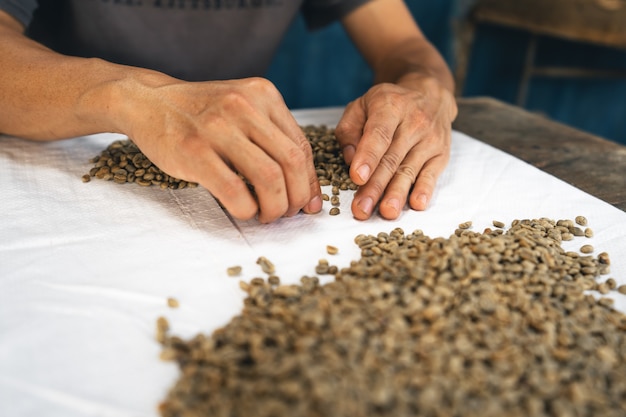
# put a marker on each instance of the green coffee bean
(493, 323)
(233, 271)
(266, 265)
(123, 162)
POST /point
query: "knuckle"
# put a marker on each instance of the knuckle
(376, 189)
(428, 176)
(235, 100)
(382, 132)
(269, 174)
(389, 162)
(297, 156)
(407, 171)
(422, 119)
(262, 84)
(231, 190)
(345, 129)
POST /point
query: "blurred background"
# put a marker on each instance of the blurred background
(565, 59)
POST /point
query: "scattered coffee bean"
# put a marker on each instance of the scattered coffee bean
(233, 271)
(581, 220)
(162, 327)
(465, 225)
(498, 224)
(586, 249)
(266, 265)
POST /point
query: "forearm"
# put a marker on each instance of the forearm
(394, 46)
(413, 60)
(45, 95)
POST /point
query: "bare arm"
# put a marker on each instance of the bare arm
(396, 136)
(50, 96)
(204, 132)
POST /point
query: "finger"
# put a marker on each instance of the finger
(289, 156)
(350, 129)
(264, 173)
(378, 133)
(285, 121)
(390, 164)
(370, 194)
(426, 182)
(397, 192)
(226, 186)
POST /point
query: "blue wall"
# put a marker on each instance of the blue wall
(323, 68)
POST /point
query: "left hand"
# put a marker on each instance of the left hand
(396, 139)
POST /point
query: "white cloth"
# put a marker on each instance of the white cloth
(85, 268)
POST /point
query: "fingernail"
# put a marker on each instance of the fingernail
(315, 205)
(423, 201)
(394, 203)
(366, 205)
(348, 154)
(364, 172)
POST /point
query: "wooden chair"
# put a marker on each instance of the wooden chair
(599, 22)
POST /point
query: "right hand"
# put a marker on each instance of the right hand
(207, 132)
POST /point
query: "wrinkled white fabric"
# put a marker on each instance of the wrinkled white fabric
(85, 268)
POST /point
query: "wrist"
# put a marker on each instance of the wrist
(113, 103)
(432, 86)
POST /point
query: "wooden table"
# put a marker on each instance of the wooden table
(590, 163)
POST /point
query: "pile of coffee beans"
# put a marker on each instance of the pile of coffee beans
(123, 162)
(330, 166)
(498, 323)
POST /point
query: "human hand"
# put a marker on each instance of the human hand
(396, 139)
(207, 132)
